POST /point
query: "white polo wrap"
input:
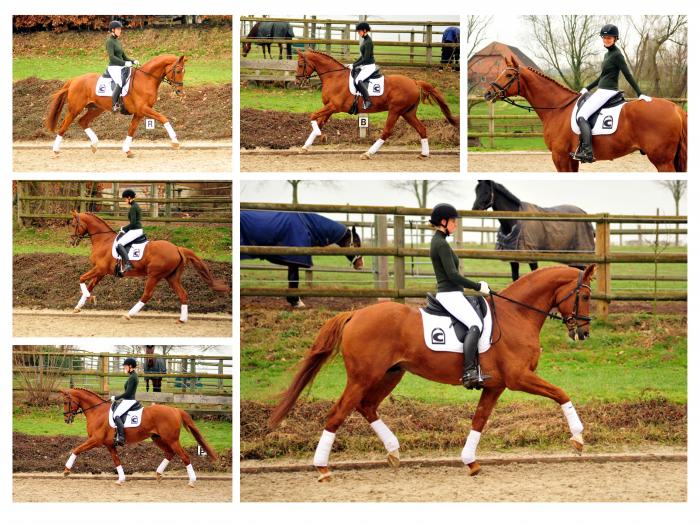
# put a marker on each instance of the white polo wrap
(71, 460)
(375, 147)
(163, 465)
(424, 149)
(575, 424)
(120, 472)
(323, 449)
(391, 442)
(190, 472)
(136, 309)
(469, 450)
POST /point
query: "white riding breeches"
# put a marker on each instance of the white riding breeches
(115, 72)
(457, 305)
(130, 236)
(594, 102)
(123, 407)
(365, 71)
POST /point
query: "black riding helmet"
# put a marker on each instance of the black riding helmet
(128, 193)
(130, 361)
(610, 30)
(114, 24)
(362, 26)
(442, 211)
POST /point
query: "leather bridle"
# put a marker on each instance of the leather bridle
(78, 410)
(76, 237)
(305, 77)
(501, 92)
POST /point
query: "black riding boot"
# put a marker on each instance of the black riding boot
(367, 103)
(116, 105)
(585, 148)
(119, 439)
(121, 250)
(471, 377)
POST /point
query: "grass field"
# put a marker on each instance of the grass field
(515, 125)
(209, 242)
(49, 422)
(62, 56)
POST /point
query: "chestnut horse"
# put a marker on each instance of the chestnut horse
(161, 260)
(658, 128)
(380, 343)
(400, 98)
(79, 92)
(159, 422)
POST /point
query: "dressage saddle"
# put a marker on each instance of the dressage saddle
(435, 308)
(616, 100)
(136, 406)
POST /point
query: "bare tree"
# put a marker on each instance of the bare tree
(476, 26)
(566, 44)
(677, 189)
(420, 189)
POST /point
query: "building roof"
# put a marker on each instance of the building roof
(502, 50)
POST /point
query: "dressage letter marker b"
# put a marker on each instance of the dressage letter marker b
(150, 123)
(363, 124)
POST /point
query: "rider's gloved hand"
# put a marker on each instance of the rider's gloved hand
(128, 63)
(137, 63)
(484, 288)
(121, 230)
(645, 98)
(112, 399)
(583, 91)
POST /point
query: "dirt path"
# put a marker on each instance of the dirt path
(320, 160)
(581, 481)
(103, 488)
(75, 156)
(527, 161)
(106, 323)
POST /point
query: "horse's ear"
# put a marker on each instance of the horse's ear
(590, 272)
(353, 229)
(74, 213)
(299, 52)
(182, 59)
(514, 62)
(509, 62)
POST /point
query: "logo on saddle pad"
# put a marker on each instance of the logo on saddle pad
(136, 251)
(439, 333)
(437, 336)
(133, 419)
(105, 86)
(375, 88)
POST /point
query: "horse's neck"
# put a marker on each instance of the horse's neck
(156, 71)
(91, 403)
(345, 240)
(326, 67)
(535, 289)
(541, 92)
(99, 233)
(503, 203)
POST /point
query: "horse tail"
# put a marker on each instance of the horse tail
(58, 99)
(326, 344)
(189, 425)
(203, 270)
(430, 94)
(681, 159)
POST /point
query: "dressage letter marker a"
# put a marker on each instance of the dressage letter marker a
(150, 123)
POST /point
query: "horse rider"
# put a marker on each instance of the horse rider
(450, 290)
(119, 63)
(364, 66)
(613, 63)
(131, 231)
(126, 400)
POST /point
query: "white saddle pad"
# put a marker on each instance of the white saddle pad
(375, 88)
(133, 419)
(439, 335)
(136, 251)
(606, 123)
(105, 86)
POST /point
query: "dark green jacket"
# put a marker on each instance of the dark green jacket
(116, 54)
(132, 382)
(366, 53)
(446, 266)
(134, 218)
(613, 64)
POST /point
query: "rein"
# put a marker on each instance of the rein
(165, 78)
(80, 410)
(501, 92)
(77, 238)
(319, 73)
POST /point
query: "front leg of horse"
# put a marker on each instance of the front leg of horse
(318, 118)
(388, 128)
(121, 478)
(85, 291)
(488, 400)
(150, 112)
(151, 283)
(126, 147)
(87, 445)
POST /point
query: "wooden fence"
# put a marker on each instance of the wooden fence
(161, 201)
(522, 124)
(603, 256)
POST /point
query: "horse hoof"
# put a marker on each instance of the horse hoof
(76, 310)
(175, 145)
(324, 475)
(299, 304)
(474, 468)
(55, 154)
(323, 138)
(126, 317)
(180, 321)
(423, 157)
(66, 471)
(393, 459)
(159, 477)
(93, 148)
(129, 155)
(119, 482)
(365, 156)
(190, 484)
(303, 150)
(577, 442)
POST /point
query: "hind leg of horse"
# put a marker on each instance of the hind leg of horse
(167, 452)
(176, 285)
(151, 283)
(533, 384)
(93, 275)
(368, 409)
(133, 125)
(150, 112)
(67, 121)
(488, 399)
(91, 286)
(85, 121)
(293, 279)
(318, 119)
(121, 478)
(533, 266)
(386, 133)
(413, 120)
(87, 445)
(515, 270)
(177, 448)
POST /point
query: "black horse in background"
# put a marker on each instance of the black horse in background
(270, 30)
(533, 235)
(271, 228)
(154, 365)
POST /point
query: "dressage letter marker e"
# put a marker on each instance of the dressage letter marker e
(363, 124)
(150, 123)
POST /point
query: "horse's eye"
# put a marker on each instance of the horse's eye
(586, 298)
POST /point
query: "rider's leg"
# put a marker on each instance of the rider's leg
(585, 149)
(470, 372)
(594, 102)
(367, 103)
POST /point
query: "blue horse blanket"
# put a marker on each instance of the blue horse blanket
(272, 228)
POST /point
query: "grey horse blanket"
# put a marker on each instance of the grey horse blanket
(548, 235)
(272, 228)
(275, 30)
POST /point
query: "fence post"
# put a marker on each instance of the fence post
(193, 370)
(168, 196)
(412, 49)
(103, 366)
(382, 272)
(220, 380)
(309, 278)
(328, 37)
(81, 185)
(428, 40)
(492, 124)
(345, 49)
(115, 197)
(19, 204)
(602, 249)
(183, 380)
(399, 260)
(154, 205)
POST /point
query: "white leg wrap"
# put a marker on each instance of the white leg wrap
(84, 289)
(375, 147)
(391, 442)
(127, 144)
(136, 309)
(81, 301)
(469, 450)
(57, 143)
(91, 135)
(315, 132)
(120, 472)
(71, 460)
(171, 131)
(163, 465)
(424, 149)
(183, 313)
(190, 472)
(323, 449)
(575, 424)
